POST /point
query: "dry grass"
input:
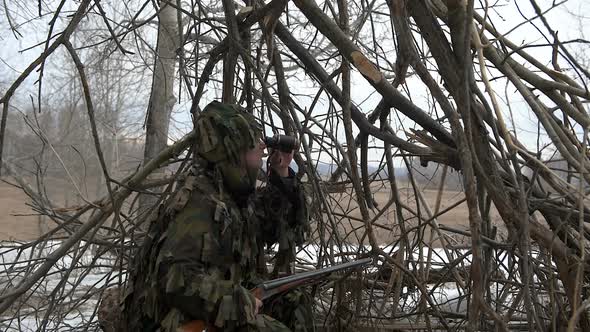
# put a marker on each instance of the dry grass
(387, 226)
(19, 222)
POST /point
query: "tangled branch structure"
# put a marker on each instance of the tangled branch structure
(367, 86)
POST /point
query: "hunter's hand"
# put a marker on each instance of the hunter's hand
(280, 161)
(258, 306)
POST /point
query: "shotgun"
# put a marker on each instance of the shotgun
(273, 287)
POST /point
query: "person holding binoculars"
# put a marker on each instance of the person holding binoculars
(206, 249)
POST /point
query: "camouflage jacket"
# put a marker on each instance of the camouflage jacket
(204, 252)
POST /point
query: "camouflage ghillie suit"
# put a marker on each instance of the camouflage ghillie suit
(206, 248)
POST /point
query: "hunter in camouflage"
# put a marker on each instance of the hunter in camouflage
(206, 247)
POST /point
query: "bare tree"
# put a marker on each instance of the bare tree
(162, 97)
(372, 88)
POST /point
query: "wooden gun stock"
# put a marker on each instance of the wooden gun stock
(196, 326)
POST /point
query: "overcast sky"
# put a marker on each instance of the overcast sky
(568, 20)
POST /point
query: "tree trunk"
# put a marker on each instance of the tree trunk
(162, 97)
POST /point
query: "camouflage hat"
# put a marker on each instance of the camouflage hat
(224, 131)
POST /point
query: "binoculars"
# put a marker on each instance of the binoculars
(282, 143)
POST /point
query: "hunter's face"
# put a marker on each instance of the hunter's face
(253, 157)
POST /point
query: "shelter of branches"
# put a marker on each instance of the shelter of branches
(432, 141)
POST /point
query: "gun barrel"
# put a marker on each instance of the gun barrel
(268, 285)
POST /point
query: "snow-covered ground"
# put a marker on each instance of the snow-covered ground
(65, 300)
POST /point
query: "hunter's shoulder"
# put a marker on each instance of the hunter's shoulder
(194, 206)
